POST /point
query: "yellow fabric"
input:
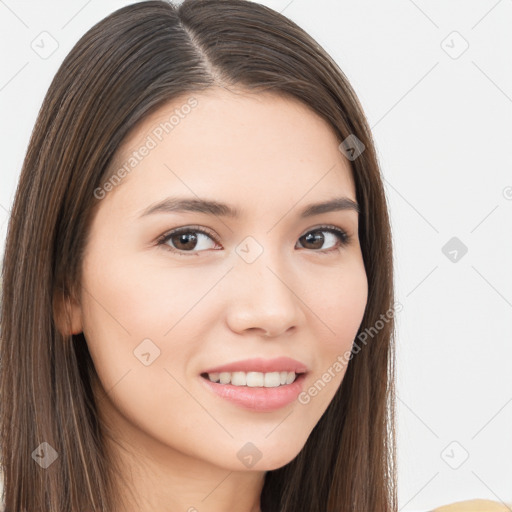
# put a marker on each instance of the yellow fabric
(475, 506)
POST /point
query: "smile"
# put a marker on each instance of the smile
(259, 398)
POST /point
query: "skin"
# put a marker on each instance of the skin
(176, 440)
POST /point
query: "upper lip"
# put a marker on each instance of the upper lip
(278, 364)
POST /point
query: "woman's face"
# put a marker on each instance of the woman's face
(158, 313)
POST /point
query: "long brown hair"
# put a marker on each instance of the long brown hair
(119, 72)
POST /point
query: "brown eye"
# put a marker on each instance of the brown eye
(191, 240)
(315, 239)
(187, 240)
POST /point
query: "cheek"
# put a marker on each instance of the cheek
(340, 310)
(136, 297)
(141, 324)
(342, 307)
(126, 316)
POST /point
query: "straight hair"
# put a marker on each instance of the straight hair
(122, 70)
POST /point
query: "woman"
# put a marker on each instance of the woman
(198, 289)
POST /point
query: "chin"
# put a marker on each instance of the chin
(274, 458)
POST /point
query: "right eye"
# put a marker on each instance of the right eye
(185, 239)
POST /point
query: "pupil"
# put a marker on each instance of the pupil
(311, 237)
(186, 237)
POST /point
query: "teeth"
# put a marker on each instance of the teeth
(253, 379)
(238, 379)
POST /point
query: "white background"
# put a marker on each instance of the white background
(442, 125)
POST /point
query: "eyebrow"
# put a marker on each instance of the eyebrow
(211, 207)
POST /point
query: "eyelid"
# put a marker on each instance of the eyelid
(324, 227)
(186, 229)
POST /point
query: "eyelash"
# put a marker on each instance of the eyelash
(343, 237)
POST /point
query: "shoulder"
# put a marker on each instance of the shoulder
(475, 506)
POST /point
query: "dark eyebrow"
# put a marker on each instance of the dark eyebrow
(332, 205)
(210, 207)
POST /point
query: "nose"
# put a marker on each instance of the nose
(262, 298)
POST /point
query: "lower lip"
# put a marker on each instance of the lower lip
(259, 398)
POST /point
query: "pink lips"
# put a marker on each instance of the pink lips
(259, 399)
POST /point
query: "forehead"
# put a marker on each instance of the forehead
(246, 145)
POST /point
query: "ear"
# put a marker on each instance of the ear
(67, 313)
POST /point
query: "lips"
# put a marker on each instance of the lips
(255, 394)
(278, 364)
(257, 399)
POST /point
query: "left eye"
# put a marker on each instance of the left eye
(185, 240)
(333, 234)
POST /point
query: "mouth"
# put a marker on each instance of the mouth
(256, 391)
(254, 379)
(257, 384)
